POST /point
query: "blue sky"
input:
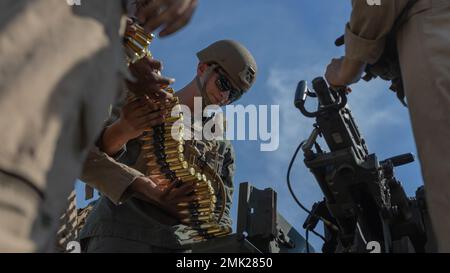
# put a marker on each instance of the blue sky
(291, 40)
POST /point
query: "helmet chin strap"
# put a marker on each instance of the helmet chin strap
(201, 84)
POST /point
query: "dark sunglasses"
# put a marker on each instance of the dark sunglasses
(224, 85)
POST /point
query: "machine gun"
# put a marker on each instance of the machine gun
(364, 207)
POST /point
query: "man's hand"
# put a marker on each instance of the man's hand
(138, 116)
(167, 197)
(343, 72)
(170, 15)
(148, 79)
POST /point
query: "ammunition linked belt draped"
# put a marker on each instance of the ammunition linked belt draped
(136, 42)
(173, 160)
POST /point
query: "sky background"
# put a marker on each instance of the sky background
(291, 40)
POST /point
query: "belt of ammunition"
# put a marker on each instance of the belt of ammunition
(141, 31)
(170, 156)
(204, 226)
(203, 192)
(201, 185)
(183, 174)
(161, 138)
(166, 135)
(194, 205)
(189, 221)
(141, 39)
(179, 149)
(186, 178)
(187, 175)
(195, 218)
(179, 156)
(204, 189)
(160, 146)
(167, 129)
(203, 202)
(173, 149)
(203, 196)
(199, 176)
(135, 47)
(183, 168)
(136, 44)
(208, 210)
(165, 159)
(192, 213)
(174, 160)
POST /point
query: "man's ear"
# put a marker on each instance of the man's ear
(201, 68)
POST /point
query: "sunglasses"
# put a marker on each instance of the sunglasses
(224, 85)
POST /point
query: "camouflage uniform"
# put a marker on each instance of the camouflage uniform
(134, 225)
(137, 226)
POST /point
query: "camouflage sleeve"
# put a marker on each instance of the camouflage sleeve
(228, 169)
(369, 25)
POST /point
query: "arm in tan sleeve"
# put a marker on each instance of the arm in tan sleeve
(365, 33)
(108, 176)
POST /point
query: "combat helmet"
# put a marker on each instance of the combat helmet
(237, 62)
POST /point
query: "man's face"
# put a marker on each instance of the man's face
(219, 88)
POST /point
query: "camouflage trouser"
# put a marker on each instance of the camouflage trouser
(105, 244)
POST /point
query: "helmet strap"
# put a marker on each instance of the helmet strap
(201, 84)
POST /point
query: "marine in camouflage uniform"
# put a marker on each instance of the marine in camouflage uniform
(141, 221)
(122, 222)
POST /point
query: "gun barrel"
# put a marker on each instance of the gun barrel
(401, 159)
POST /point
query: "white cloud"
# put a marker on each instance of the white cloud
(294, 127)
(374, 108)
